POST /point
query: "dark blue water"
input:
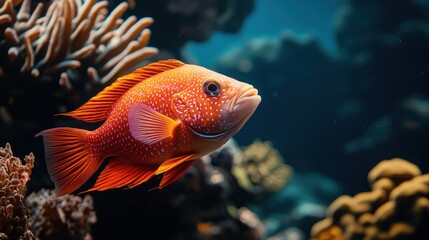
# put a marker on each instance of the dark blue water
(270, 18)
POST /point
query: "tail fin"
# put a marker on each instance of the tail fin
(69, 162)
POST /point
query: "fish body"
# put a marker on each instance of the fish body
(157, 120)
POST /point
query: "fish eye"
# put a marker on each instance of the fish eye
(211, 88)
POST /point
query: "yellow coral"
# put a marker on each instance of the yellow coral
(396, 208)
(13, 177)
(327, 231)
(265, 166)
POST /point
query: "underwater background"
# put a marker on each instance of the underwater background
(337, 149)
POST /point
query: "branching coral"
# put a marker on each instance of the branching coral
(69, 41)
(265, 166)
(66, 217)
(396, 208)
(13, 177)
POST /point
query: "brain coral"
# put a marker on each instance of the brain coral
(13, 177)
(397, 208)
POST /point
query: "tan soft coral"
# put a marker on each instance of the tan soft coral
(65, 48)
(396, 208)
(65, 217)
(14, 217)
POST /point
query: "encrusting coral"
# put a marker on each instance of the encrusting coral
(265, 166)
(65, 217)
(258, 168)
(396, 208)
(71, 45)
(14, 217)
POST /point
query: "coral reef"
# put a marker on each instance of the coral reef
(57, 52)
(65, 217)
(396, 208)
(14, 216)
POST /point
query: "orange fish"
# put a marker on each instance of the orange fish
(158, 120)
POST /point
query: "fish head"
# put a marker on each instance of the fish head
(215, 106)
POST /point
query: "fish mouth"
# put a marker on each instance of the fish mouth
(246, 99)
(224, 134)
(211, 136)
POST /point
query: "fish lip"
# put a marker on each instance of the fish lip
(211, 136)
(250, 102)
(245, 94)
(251, 93)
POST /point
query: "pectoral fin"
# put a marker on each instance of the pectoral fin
(149, 126)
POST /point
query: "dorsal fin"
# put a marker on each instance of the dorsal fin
(98, 107)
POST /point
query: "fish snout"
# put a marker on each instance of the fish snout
(246, 100)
